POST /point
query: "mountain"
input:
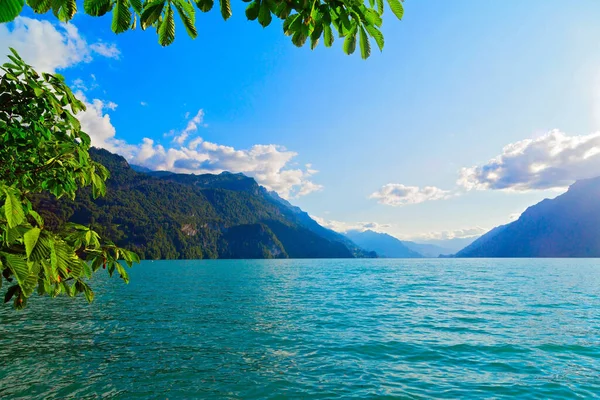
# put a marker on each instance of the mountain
(428, 250)
(382, 243)
(450, 246)
(163, 215)
(566, 226)
(302, 218)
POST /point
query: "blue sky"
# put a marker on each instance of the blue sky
(456, 83)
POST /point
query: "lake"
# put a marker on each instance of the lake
(257, 329)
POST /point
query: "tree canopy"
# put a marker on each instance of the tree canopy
(303, 20)
(43, 149)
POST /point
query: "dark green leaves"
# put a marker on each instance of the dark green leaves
(64, 10)
(40, 6)
(10, 9)
(121, 17)
(166, 30)
(97, 8)
(205, 5)
(187, 13)
(152, 11)
(264, 14)
(309, 19)
(225, 9)
(252, 10)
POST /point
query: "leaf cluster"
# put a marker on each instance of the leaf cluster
(303, 20)
(43, 150)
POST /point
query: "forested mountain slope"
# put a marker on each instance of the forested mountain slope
(179, 216)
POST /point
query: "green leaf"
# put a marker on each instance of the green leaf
(137, 5)
(187, 13)
(152, 11)
(97, 8)
(40, 6)
(121, 17)
(98, 185)
(205, 5)
(122, 272)
(30, 239)
(365, 46)
(10, 9)
(41, 251)
(81, 286)
(166, 31)
(18, 266)
(327, 36)
(299, 38)
(290, 22)
(252, 10)
(377, 35)
(350, 41)
(225, 9)
(13, 209)
(315, 35)
(380, 6)
(373, 17)
(396, 8)
(264, 14)
(66, 9)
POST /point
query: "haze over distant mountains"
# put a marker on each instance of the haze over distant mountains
(566, 226)
(383, 244)
(388, 246)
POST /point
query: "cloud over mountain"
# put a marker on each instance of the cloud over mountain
(554, 160)
(340, 226)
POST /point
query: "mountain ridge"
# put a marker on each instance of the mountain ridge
(164, 215)
(383, 244)
(565, 226)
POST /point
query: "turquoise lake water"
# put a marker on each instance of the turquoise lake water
(315, 329)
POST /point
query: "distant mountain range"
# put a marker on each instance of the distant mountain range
(163, 215)
(390, 247)
(566, 226)
(428, 250)
(449, 246)
(383, 244)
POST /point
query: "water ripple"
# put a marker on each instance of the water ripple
(315, 329)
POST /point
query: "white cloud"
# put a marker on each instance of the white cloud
(448, 235)
(192, 126)
(340, 226)
(268, 164)
(96, 123)
(108, 50)
(79, 84)
(111, 105)
(396, 194)
(552, 161)
(143, 103)
(47, 47)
